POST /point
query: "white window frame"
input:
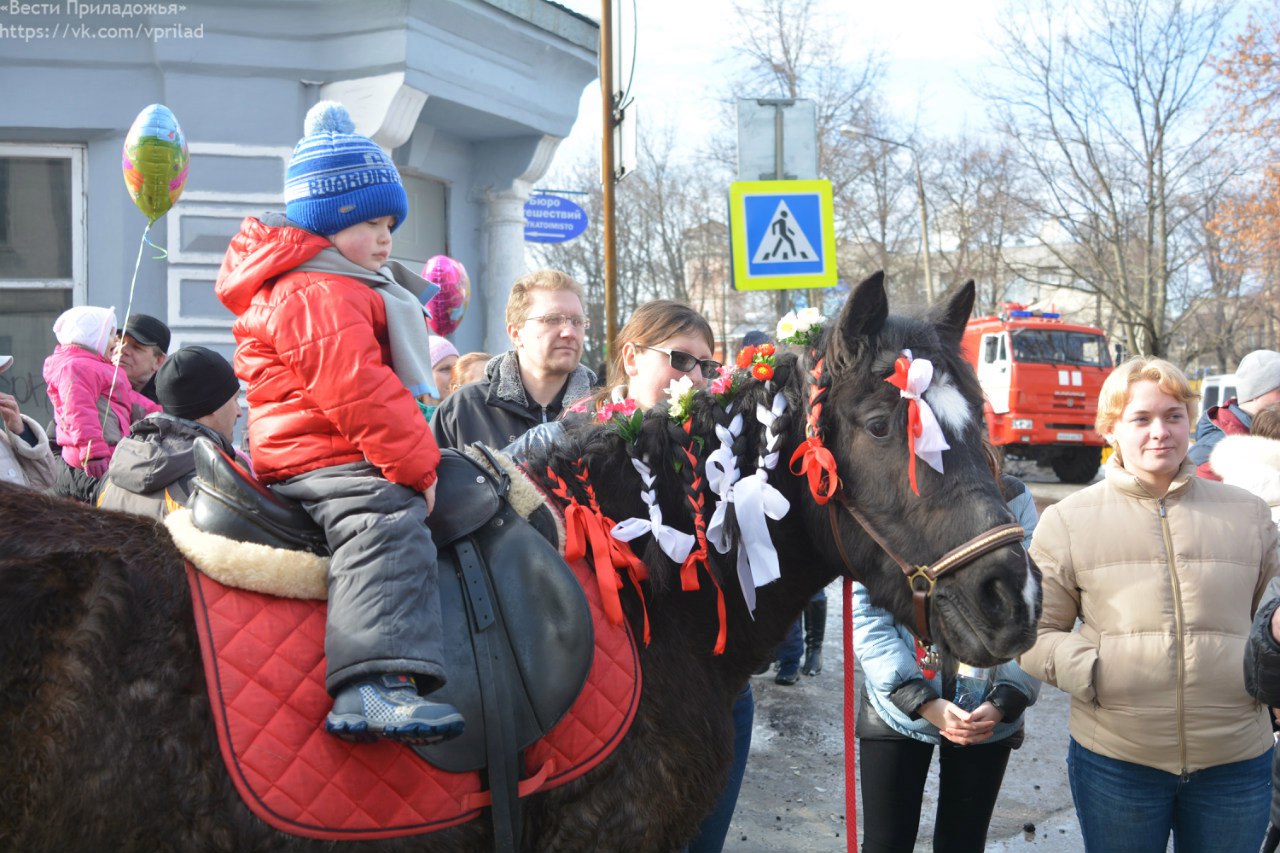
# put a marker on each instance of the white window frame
(76, 154)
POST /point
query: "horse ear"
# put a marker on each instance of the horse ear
(866, 309)
(954, 315)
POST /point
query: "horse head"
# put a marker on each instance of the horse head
(887, 512)
(707, 495)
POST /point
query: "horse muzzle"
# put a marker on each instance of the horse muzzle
(988, 614)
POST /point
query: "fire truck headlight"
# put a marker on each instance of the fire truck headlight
(1023, 423)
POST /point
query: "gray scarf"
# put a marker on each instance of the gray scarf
(405, 294)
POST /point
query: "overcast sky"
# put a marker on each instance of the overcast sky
(685, 59)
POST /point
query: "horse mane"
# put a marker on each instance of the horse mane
(592, 453)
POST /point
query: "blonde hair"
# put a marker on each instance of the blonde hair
(518, 300)
(1117, 389)
(461, 367)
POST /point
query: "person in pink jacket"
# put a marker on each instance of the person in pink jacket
(93, 402)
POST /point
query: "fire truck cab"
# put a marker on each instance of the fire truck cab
(1041, 377)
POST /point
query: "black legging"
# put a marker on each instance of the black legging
(893, 774)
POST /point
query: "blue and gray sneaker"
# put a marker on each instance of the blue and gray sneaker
(389, 707)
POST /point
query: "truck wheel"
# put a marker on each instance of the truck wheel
(1078, 465)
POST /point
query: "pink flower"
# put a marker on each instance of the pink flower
(626, 408)
(722, 383)
(607, 411)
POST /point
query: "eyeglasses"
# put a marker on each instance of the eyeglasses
(685, 362)
(559, 321)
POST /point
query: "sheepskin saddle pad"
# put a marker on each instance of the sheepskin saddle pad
(547, 685)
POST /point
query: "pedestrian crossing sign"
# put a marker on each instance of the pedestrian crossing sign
(782, 233)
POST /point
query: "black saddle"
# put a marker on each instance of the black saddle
(518, 640)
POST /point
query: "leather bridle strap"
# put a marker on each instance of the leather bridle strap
(922, 579)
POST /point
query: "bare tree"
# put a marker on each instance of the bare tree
(1106, 108)
(977, 187)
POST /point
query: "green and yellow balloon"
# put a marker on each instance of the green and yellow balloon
(155, 161)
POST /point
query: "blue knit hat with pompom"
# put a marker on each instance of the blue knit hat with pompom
(336, 177)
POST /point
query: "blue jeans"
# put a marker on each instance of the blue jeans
(715, 826)
(1130, 808)
(791, 649)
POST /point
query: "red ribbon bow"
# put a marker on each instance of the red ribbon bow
(817, 463)
(914, 428)
(587, 536)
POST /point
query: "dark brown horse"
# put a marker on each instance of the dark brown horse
(106, 736)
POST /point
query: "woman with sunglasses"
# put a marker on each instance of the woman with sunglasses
(662, 342)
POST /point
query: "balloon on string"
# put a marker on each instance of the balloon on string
(447, 308)
(155, 161)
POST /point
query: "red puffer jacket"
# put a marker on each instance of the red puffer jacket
(313, 348)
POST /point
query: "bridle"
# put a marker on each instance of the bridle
(824, 483)
(922, 579)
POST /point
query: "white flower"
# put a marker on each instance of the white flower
(679, 394)
(809, 317)
(786, 326)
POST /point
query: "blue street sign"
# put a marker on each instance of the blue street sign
(553, 219)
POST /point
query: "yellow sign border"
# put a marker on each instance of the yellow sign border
(738, 192)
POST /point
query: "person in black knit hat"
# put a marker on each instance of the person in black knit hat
(151, 470)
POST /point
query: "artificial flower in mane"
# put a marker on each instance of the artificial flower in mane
(722, 387)
(622, 417)
(680, 394)
(800, 329)
(758, 361)
(616, 409)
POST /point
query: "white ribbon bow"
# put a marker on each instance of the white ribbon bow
(756, 500)
(722, 474)
(931, 442)
(674, 543)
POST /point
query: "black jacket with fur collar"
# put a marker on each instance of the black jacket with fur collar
(496, 410)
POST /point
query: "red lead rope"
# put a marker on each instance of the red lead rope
(850, 738)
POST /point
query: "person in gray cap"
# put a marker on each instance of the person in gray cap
(25, 456)
(1257, 386)
(142, 346)
(152, 469)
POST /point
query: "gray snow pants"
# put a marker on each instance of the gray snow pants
(384, 601)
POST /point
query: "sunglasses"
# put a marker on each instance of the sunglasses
(684, 362)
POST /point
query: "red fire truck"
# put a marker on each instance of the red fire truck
(1041, 378)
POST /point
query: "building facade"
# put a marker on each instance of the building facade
(471, 97)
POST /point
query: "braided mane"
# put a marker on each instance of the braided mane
(678, 460)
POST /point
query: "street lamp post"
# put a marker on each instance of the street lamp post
(924, 210)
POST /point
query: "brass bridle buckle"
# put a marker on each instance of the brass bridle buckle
(922, 573)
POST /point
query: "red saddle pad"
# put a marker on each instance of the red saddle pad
(264, 666)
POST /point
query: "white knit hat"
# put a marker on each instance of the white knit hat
(1258, 373)
(86, 326)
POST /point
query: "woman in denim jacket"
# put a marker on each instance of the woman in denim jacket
(904, 714)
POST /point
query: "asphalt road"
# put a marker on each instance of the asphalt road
(793, 795)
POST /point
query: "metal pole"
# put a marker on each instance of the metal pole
(777, 143)
(924, 226)
(606, 176)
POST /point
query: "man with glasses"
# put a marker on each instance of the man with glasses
(531, 383)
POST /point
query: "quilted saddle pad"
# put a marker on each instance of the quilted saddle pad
(264, 667)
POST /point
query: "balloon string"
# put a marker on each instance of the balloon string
(164, 253)
(115, 357)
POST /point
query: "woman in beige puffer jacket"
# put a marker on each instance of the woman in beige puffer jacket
(1164, 572)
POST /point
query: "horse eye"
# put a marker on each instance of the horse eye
(878, 427)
